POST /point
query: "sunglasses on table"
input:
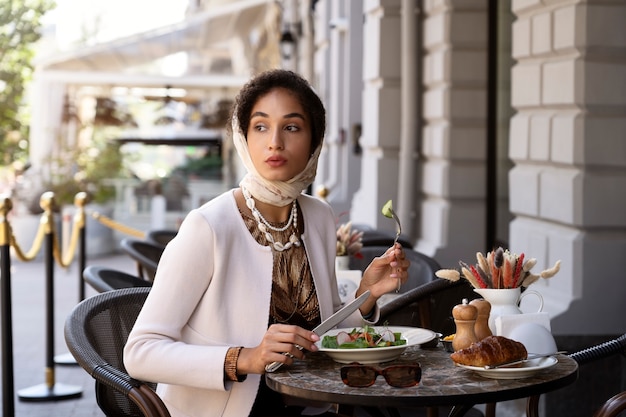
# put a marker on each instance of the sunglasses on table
(399, 376)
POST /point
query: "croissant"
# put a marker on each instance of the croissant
(492, 350)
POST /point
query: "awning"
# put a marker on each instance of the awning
(173, 137)
(206, 33)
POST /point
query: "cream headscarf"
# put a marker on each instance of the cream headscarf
(277, 193)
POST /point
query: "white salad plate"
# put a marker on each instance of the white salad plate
(523, 370)
(412, 335)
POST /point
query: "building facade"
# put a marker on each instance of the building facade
(487, 122)
(505, 127)
(490, 123)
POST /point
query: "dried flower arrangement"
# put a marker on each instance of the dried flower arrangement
(499, 269)
(349, 241)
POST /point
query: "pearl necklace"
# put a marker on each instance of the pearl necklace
(264, 225)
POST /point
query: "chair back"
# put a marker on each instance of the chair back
(146, 254)
(373, 237)
(613, 407)
(616, 404)
(421, 270)
(160, 237)
(96, 332)
(602, 350)
(104, 279)
(428, 305)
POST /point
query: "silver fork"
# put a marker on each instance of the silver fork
(398, 232)
(398, 226)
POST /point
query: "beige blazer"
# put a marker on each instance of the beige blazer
(212, 291)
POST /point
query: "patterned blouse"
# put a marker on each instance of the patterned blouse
(293, 290)
(292, 301)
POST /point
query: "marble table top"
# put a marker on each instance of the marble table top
(443, 383)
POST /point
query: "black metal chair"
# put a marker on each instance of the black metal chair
(146, 254)
(104, 279)
(421, 271)
(160, 237)
(423, 300)
(96, 331)
(613, 407)
(379, 238)
(585, 358)
(374, 237)
(617, 403)
(428, 305)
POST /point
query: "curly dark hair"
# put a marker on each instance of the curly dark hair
(263, 83)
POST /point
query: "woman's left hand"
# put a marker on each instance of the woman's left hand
(385, 273)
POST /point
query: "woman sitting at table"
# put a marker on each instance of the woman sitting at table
(251, 272)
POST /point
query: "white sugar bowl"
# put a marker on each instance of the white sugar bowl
(535, 337)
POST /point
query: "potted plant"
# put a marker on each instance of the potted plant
(90, 168)
(348, 244)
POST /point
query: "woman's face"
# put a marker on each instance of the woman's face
(279, 135)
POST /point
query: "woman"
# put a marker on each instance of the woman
(251, 272)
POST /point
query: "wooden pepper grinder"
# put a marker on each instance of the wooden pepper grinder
(481, 328)
(465, 319)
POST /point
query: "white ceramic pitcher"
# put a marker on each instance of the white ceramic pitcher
(505, 301)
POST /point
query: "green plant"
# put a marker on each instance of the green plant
(208, 166)
(87, 168)
(20, 21)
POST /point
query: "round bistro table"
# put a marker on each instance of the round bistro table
(443, 383)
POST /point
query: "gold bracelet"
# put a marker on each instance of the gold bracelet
(230, 364)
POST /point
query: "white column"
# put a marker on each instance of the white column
(453, 171)
(380, 137)
(408, 178)
(47, 106)
(568, 145)
(341, 37)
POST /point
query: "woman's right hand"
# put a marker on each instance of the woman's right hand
(280, 344)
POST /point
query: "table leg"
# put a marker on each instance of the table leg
(532, 406)
(432, 412)
(459, 410)
(490, 410)
(393, 412)
(347, 410)
(374, 411)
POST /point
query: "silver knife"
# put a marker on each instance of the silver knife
(329, 323)
(530, 357)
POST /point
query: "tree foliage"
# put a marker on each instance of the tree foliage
(20, 24)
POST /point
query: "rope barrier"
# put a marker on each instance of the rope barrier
(35, 248)
(112, 224)
(66, 259)
(50, 389)
(46, 223)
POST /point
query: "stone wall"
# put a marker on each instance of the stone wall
(454, 132)
(568, 145)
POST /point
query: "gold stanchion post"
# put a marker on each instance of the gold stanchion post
(77, 241)
(8, 391)
(50, 390)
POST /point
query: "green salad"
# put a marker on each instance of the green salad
(365, 337)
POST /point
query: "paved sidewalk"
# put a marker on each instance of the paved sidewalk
(28, 281)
